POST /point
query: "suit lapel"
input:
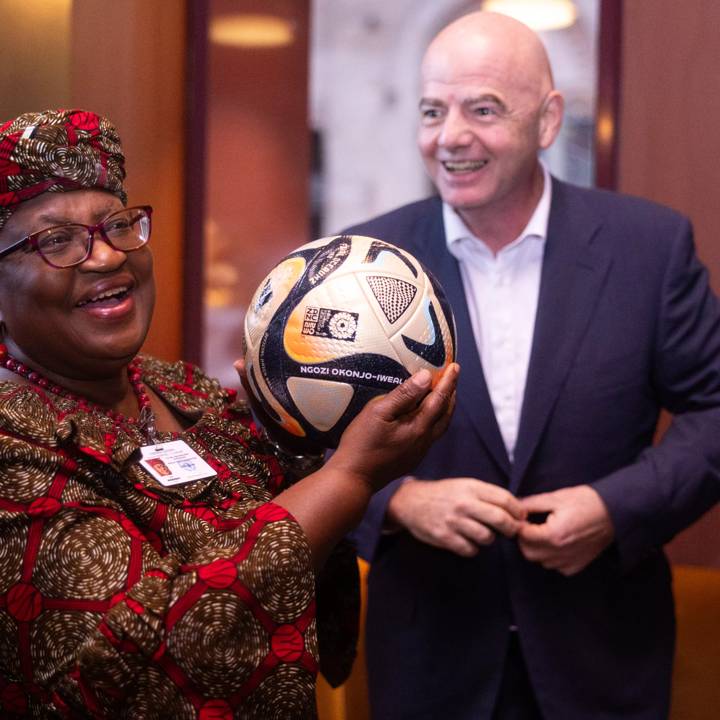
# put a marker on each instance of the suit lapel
(573, 274)
(473, 396)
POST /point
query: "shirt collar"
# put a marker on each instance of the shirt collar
(456, 230)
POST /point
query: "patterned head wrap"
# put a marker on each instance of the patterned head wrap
(56, 151)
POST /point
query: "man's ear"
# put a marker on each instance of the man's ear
(551, 116)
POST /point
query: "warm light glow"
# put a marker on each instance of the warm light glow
(251, 31)
(537, 14)
(605, 129)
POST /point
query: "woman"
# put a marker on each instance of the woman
(153, 560)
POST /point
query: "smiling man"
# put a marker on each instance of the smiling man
(484, 114)
(519, 573)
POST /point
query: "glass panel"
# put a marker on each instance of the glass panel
(257, 160)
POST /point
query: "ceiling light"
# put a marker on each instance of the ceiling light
(251, 31)
(537, 14)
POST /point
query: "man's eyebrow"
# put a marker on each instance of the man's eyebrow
(484, 97)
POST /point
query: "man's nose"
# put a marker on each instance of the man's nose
(455, 131)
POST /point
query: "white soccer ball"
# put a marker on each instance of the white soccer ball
(337, 322)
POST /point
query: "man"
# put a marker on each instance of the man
(519, 573)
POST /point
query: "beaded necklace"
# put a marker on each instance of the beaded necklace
(145, 422)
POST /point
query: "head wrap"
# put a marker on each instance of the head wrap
(56, 151)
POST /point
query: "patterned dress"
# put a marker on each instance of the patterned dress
(122, 598)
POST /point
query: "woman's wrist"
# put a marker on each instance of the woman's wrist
(327, 504)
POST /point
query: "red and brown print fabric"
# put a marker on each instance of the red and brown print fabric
(123, 598)
(55, 151)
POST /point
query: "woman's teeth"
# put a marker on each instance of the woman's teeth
(117, 293)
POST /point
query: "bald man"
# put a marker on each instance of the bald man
(519, 573)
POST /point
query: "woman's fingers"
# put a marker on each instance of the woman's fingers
(417, 393)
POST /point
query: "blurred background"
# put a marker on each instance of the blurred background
(253, 126)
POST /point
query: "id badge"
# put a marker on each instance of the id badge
(174, 462)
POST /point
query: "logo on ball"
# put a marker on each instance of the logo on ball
(337, 324)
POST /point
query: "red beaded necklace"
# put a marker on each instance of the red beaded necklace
(145, 421)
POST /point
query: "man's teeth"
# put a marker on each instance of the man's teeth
(104, 296)
(464, 165)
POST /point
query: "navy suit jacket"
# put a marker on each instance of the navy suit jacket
(626, 325)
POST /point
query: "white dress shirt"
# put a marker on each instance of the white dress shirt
(502, 296)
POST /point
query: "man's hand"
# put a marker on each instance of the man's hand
(456, 514)
(578, 528)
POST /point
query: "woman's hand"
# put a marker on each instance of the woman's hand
(387, 439)
(393, 432)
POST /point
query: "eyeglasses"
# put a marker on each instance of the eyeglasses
(63, 246)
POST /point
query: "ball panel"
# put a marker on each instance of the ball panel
(274, 407)
(393, 295)
(446, 315)
(323, 402)
(326, 261)
(388, 258)
(267, 298)
(430, 346)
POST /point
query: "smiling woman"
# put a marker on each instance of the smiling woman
(158, 551)
(96, 305)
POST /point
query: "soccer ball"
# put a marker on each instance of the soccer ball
(337, 322)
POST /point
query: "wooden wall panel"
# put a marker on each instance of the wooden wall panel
(669, 138)
(669, 147)
(35, 55)
(128, 62)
